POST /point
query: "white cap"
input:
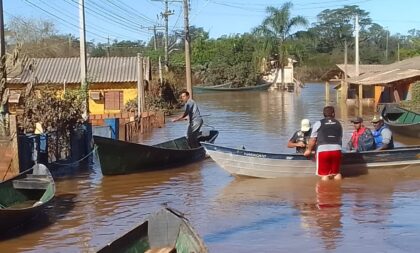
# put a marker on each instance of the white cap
(305, 125)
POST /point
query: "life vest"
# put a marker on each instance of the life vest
(330, 132)
(356, 135)
(302, 137)
(377, 135)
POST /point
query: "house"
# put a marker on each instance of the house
(393, 82)
(338, 74)
(112, 82)
(274, 73)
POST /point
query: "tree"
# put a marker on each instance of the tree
(277, 28)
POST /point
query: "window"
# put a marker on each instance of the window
(114, 100)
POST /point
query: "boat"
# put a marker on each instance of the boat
(165, 231)
(228, 87)
(244, 162)
(25, 196)
(401, 121)
(121, 157)
(205, 88)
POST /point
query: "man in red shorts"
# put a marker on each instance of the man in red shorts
(327, 137)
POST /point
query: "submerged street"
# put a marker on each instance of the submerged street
(370, 213)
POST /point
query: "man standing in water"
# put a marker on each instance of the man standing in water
(196, 121)
(327, 137)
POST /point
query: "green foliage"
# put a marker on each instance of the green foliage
(415, 95)
(57, 112)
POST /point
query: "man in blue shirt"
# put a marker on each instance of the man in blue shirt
(382, 134)
(196, 121)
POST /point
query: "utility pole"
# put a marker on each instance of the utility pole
(3, 58)
(344, 87)
(154, 37)
(398, 50)
(357, 45)
(386, 46)
(187, 48)
(154, 28)
(83, 60)
(108, 49)
(70, 45)
(357, 64)
(166, 15)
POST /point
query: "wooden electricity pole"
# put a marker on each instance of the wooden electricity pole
(83, 57)
(187, 49)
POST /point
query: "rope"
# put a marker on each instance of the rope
(78, 161)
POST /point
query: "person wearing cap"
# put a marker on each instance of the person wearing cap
(382, 134)
(300, 138)
(327, 136)
(362, 138)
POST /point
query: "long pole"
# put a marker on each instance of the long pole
(83, 60)
(187, 49)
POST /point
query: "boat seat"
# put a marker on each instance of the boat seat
(32, 182)
(162, 250)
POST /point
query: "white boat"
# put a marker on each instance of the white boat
(242, 162)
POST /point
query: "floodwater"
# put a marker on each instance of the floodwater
(370, 213)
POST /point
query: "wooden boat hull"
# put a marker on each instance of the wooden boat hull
(218, 88)
(268, 165)
(166, 229)
(401, 121)
(25, 196)
(120, 157)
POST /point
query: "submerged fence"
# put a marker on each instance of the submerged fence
(54, 147)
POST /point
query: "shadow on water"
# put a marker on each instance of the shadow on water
(58, 209)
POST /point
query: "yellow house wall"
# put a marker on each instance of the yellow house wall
(95, 106)
(98, 106)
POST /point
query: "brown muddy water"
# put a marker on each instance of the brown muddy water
(371, 213)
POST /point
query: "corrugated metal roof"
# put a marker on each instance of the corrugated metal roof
(99, 70)
(409, 68)
(363, 68)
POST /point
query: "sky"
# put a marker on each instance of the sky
(134, 19)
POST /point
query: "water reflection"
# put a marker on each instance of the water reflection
(324, 218)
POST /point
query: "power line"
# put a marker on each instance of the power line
(120, 21)
(132, 12)
(62, 20)
(71, 17)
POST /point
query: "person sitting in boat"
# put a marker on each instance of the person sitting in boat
(300, 138)
(362, 138)
(327, 136)
(382, 134)
(195, 119)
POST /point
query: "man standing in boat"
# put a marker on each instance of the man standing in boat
(196, 121)
(300, 138)
(327, 136)
(382, 134)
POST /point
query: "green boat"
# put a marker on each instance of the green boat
(121, 157)
(25, 196)
(166, 231)
(401, 120)
(228, 87)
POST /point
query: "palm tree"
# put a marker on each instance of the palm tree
(276, 30)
